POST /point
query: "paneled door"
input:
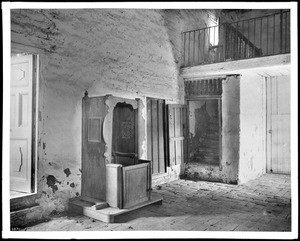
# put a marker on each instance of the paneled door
(136, 184)
(156, 134)
(21, 123)
(278, 125)
(177, 122)
(93, 162)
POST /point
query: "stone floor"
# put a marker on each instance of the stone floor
(263, 204)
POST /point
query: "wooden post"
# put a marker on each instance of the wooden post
(114, 180)
(281, 29)
(142, 142)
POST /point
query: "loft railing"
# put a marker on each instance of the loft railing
(238, 46)
(251, 38)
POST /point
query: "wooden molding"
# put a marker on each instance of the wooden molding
(265, 66)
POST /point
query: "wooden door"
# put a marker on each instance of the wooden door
(124, 134)
(156, 134)
(278, 125)
(21, 123)
(93, 182)
(177, 122)
(136, 180)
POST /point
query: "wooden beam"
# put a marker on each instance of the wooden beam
(278, 63)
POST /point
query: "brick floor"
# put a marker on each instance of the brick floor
(263, 204)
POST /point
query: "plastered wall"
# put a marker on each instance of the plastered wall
(124, 52)
(252, 127)
(59, 163)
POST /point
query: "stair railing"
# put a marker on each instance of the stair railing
(250, 38)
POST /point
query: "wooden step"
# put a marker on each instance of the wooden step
(96, 204)
(206, 154)
(106, 214)
(214, 121)
(211, 148)
(212, 135)
(212, 125)
(208, 158)
(210, 145)
(211, 131)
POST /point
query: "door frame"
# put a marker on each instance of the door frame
(268, 125)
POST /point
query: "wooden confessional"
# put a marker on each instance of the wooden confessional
(115, 178)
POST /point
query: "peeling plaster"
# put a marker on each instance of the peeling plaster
(51, 182)
(67, 172)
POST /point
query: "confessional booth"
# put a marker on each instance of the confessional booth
(115, 177)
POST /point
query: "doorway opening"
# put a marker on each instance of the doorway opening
(205, 131)
(23, 125)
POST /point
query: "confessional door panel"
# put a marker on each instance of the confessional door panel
(93, 147)
(135, 184)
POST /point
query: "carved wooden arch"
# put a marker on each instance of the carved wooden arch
(111, 102)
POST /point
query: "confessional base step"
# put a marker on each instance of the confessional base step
(106, 214)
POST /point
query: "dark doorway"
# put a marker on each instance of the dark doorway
(205, 131)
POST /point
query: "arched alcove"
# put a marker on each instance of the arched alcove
(124, 134)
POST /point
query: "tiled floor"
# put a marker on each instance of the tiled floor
(263, 204)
